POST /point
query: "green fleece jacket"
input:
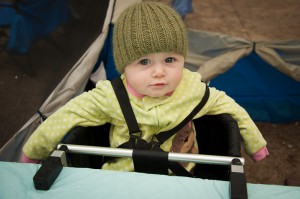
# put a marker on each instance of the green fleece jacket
(154, 115)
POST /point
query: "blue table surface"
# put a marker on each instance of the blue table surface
(16, 181)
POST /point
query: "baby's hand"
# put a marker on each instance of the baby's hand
(25, 159)
(260, 155)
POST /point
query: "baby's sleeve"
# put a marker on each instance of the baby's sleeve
(261, 154)
(25, 159)
(88, 109)
(252, 139)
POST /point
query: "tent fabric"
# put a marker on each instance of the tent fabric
(183, 7)
(213, 54)
(263, 77)
(267, 94)
(106, 58)
(283, 55)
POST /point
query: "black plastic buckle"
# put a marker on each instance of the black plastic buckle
(50, 169)
(238, 184)
(155, 143)
(136, 135)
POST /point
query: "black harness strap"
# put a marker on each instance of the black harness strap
(163, 136)
(135, 141)
(127, 111)
(148, 161)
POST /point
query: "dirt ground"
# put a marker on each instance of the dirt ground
(254, 20)
(284, 159)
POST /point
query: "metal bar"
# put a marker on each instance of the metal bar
(173, 157)
(97, 150)
(203, 159)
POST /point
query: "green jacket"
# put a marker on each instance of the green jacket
(154, 115)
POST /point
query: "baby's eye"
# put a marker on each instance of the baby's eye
(169, 59)
(144, 61)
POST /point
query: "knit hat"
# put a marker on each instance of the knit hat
(147, 27)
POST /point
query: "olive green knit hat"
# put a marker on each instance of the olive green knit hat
(147, 27)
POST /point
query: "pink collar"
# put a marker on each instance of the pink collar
(133, 92)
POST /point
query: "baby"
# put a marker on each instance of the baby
(150, 46)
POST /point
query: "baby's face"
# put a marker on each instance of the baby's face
(156, 74)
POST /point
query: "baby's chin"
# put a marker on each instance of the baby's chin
(158, 95)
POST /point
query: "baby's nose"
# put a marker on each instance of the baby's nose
(158, 70)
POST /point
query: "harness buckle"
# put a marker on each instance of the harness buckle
(136, 135)
(155, 143)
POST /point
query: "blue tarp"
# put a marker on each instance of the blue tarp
(267, 94)
(107, 57)
(30, 20)
(183, 7)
